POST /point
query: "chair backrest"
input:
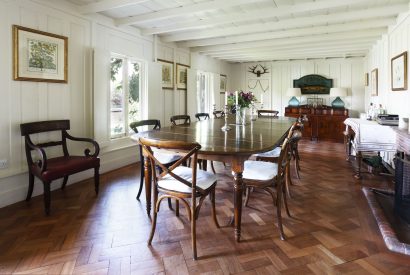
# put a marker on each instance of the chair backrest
(148, 122)
(284, 159)
(176, 119)
(202, 116)
(267, 113)
(180, 146)
(30, 128)
(219, 114)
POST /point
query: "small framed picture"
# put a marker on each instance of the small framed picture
(39, 56)
(222, 83)
(167, 74)
(399, 72)
(374, 82)
(182, 76)
(366, 79)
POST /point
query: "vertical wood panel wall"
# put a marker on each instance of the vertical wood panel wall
(345, 72)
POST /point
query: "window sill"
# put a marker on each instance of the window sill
(118, 144)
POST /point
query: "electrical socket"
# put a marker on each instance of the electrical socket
(3, 163)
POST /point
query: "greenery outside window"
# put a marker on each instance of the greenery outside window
(125, 95)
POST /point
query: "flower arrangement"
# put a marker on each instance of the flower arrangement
(245, 99)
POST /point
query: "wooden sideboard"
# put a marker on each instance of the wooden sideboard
(324, 123)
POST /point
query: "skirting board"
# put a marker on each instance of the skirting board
(19, 193)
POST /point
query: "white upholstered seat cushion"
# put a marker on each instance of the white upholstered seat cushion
(272, 153)
(204, 180)
(259, 170)
(165, 157)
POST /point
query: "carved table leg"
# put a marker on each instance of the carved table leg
(359, 165)
(147, 175)
(237, 169)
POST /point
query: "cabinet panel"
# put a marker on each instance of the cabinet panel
(324, 123)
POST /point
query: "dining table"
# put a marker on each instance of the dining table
(232, 147)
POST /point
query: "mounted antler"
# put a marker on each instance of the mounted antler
(259, 72)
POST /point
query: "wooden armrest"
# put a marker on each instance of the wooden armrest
(41, 165)
(89, 140)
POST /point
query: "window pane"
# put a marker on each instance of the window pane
(134, 110)
(117, 98)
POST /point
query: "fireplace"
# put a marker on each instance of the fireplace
(402, 189)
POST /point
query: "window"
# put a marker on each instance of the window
(125, 95)
(203, 92)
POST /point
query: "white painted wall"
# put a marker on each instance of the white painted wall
(30, 101)
(395, 42)
(345, 72)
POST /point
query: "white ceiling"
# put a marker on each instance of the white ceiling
(257, 30)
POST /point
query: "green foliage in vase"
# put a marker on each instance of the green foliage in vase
(245, 100)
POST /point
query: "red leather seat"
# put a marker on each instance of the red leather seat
(64, 166)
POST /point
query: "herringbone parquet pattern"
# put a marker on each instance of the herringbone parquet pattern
(332, 230)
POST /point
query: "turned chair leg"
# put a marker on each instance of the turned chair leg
(141, 178)
(46, 197)
(279, 213)
(30, 186)
(65, 180)
(212, 197)
(193, 228)
(212, 167)
(97, 179)
(154, 218)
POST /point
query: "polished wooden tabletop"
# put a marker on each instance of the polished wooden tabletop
(261, 135)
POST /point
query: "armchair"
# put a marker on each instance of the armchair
(49, 169)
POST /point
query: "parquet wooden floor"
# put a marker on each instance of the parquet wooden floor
(332, 231)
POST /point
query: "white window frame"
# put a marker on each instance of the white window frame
(142, 94)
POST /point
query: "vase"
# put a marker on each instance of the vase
(241, 116)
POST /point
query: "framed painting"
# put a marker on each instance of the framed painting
(374, 82)
(399, 72)
(181, 77)
(167, 78)
(39, 56)
(366, 79)
(222, 83)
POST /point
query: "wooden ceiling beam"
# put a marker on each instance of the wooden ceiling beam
(105, 5)
(183, 10)
(295, 40)
(301, 48)
(268, 12)
(357, 25)
(292, 55)
(362, 14)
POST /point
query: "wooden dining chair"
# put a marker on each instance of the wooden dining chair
(49, 169)
(166, 158)
(219, 114)
(180, 182)
(202, 163)
(180, 120)
(271, 178)
(201, 116)
(267, 113)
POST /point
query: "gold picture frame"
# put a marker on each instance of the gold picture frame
(399, 72)
(366, 79)
(374, 82)
(167, 74)
(39, 56)
(181, 76)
